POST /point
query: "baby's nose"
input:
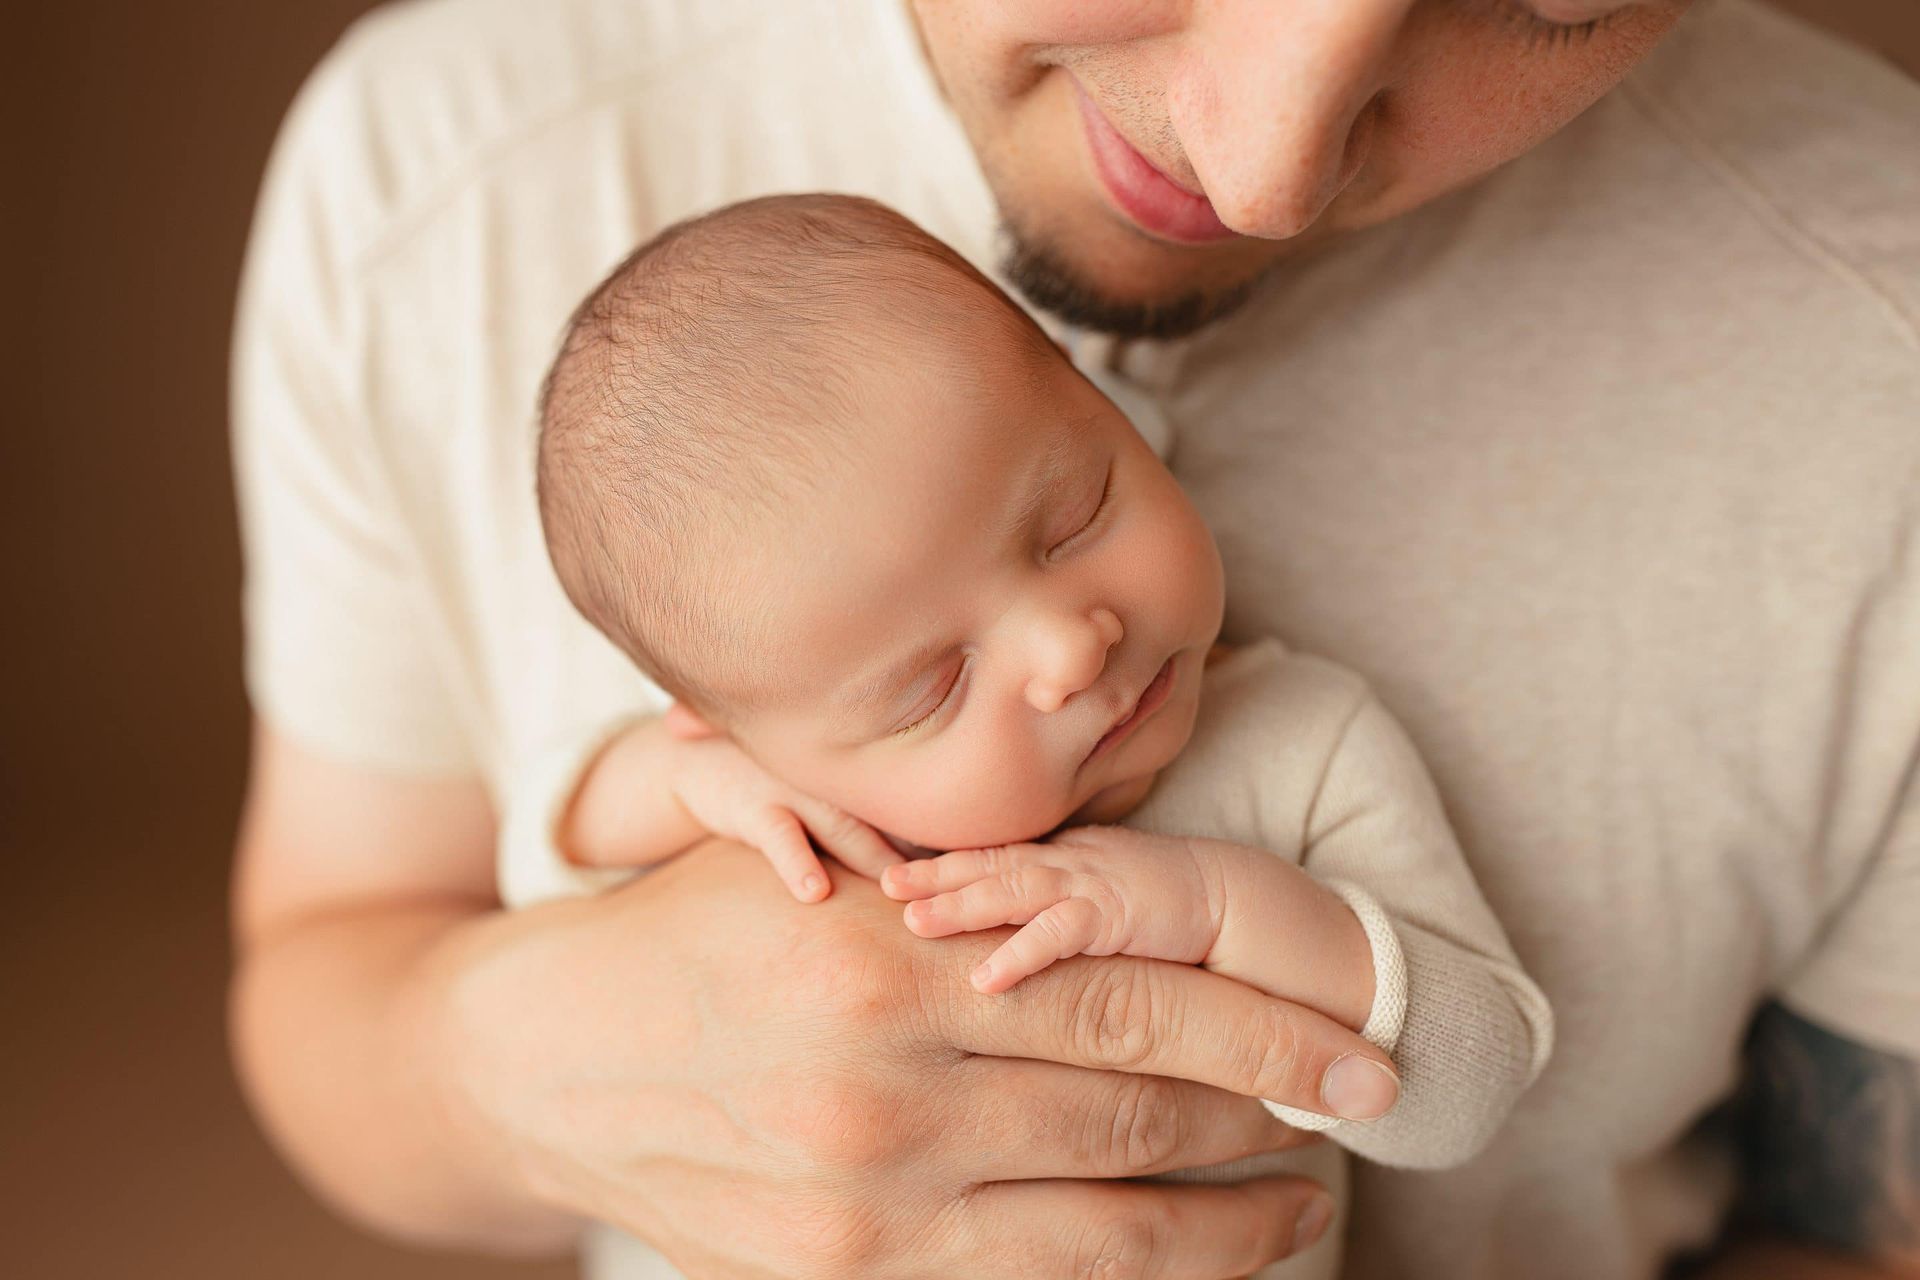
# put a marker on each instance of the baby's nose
(1072, 652)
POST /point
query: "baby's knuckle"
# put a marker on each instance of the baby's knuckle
(1000, 859)
(836, 822)
(1051, 925)
(1033, 885)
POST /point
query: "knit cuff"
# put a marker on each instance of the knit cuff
(530, 865)
(1389, 1012)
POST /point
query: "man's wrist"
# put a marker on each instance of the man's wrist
(442, 1017)
(336, 1027)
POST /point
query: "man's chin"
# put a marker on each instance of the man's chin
(1052, 282)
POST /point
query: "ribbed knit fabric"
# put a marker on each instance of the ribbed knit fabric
(1295, 755)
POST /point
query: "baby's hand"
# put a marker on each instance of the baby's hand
(1095, 891)
(724, 791)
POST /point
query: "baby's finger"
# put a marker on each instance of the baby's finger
(925, 877)
(1013, 897)
(1064, 929)
(852, 841)
(783, 841)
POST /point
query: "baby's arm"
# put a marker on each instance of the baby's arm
(1384, 930)
(1111, 891)
(653, 792)
(1467, 1027)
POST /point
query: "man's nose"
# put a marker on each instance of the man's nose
(1268, 100)
(1069, 653)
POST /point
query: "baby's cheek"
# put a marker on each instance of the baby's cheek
(1175, 563)
(994, 798)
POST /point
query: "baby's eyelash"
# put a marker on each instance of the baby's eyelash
(933, 711)
(1106, 496)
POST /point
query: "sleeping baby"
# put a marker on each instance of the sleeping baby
(914, 583)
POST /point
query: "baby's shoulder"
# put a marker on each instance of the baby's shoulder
(1265, 688)
(1270, 722)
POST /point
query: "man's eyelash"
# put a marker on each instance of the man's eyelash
(1544, 33)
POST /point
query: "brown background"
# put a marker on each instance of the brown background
(143, 126)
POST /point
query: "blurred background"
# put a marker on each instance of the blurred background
(139, 132)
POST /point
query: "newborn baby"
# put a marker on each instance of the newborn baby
(912, 580)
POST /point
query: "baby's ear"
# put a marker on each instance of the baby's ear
(688, 725)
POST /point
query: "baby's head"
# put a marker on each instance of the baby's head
(842, 498)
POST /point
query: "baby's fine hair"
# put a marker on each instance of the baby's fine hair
(696, 389)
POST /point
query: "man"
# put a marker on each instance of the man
(1601, 464)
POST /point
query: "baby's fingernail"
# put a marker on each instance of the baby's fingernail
(982, 976)
(811, 885)
(1312, 1223)
(1357, 1088)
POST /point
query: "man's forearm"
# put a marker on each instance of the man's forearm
(333, 1025)
(1827, 1137)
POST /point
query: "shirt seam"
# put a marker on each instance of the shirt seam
(493, 147)
(1667, 116)
(1363, 696)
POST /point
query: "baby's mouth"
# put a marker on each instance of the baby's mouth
(1151, 699)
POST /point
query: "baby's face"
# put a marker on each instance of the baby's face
(993, 615)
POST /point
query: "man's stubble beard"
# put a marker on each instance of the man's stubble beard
(1046, 278)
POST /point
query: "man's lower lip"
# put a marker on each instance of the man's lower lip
(1141, 191)
(1152, 698)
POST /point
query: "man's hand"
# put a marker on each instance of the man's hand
(757, 1087)
(819, 1093)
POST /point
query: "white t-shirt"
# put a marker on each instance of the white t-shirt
(1604, 473)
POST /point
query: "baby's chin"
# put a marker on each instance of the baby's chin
(1107, 805)
(1112, 803)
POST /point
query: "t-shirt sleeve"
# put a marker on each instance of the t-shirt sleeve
(343, 650)
(1862, 977)
(532, 868)
(1859, 973)
(1473, 1029)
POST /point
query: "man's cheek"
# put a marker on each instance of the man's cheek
(1481, 93)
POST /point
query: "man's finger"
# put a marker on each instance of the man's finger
(1160, 1018)
(1035, 1120)
(1068, 1230)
